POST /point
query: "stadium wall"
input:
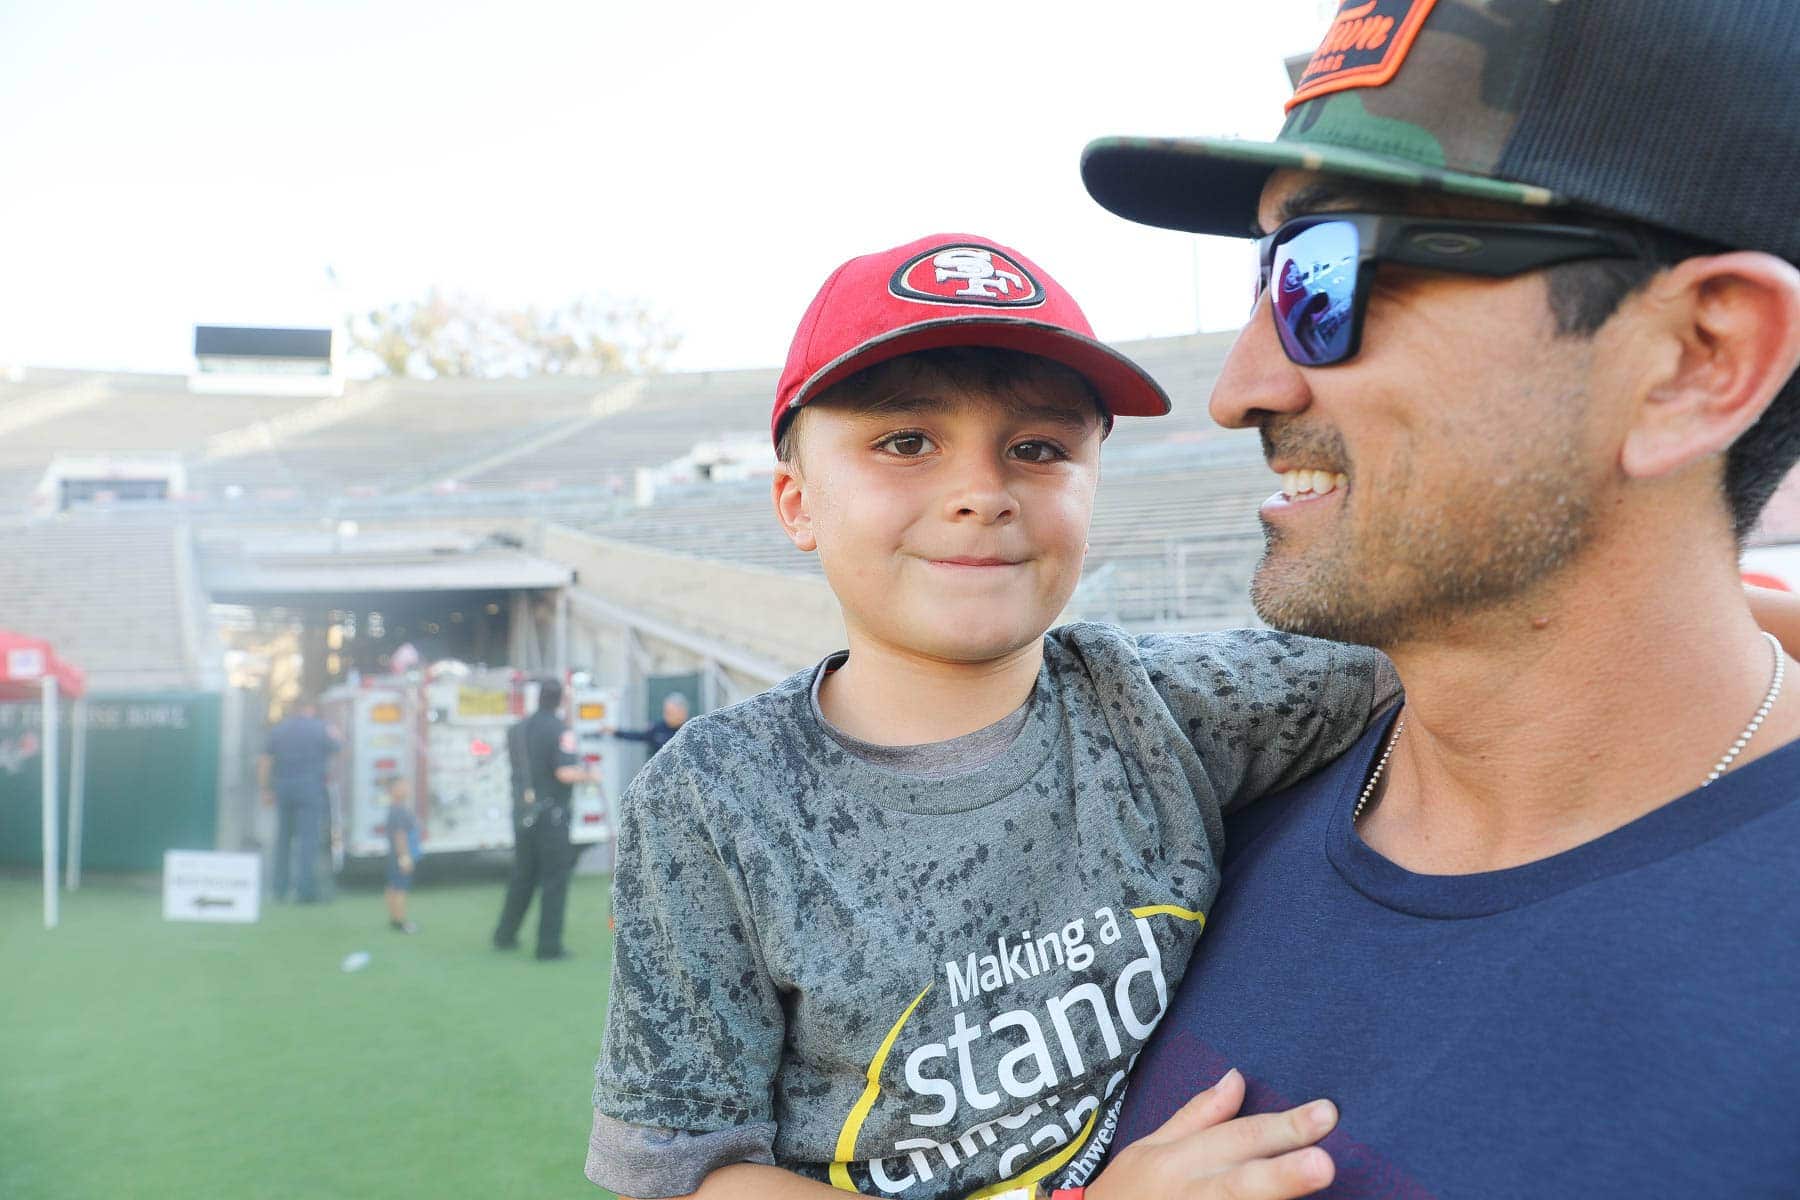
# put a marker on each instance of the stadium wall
(766, 620)
(152, 779)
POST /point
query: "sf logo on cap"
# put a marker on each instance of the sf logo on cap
(960, 274)
(976, 269)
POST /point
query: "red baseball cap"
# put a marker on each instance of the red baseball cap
(951, 290)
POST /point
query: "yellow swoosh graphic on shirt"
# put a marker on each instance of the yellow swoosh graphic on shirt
(865, 1104)
(1169, 910)
(859, 1112)
(1044, 1168)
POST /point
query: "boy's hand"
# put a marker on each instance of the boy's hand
(1207, 1152)
(406, 863)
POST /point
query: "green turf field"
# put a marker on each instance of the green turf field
(140, 1058)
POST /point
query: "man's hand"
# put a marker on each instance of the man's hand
(268, 797)
(1207, 1152)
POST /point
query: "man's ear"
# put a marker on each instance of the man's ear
(1727, 335)
(789, 491)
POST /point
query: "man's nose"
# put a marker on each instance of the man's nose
(1258, 379)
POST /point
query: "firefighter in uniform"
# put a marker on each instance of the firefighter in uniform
(545, 770)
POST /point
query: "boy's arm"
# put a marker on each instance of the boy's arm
(694, 1025)
(1778, 613)
(1265, 709)
(1204, 1152)
(1358, 684)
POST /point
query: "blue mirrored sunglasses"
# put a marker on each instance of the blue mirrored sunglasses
(1323, 265)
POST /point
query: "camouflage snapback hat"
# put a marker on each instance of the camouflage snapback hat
(1682, 114)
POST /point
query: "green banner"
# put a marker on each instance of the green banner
(152, 779)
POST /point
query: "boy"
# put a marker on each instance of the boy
(403, 852)
(899, 924)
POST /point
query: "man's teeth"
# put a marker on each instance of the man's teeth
(1315, 483)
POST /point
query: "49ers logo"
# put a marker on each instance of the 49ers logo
(966, 274)
(1364, 47)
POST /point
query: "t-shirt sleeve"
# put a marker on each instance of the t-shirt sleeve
(642, 1161)
(1265, 709)
(694, 1023)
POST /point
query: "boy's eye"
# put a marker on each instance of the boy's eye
(906, 445)
(1038, 452)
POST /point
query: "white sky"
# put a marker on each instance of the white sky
(186, 162)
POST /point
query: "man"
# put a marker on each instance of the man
(542, 797)
(291, 776)
(674, 715)
(1535, 935)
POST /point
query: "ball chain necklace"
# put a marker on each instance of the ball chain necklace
(1719, 768)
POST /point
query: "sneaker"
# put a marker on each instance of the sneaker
(503, 944)
(404, 927)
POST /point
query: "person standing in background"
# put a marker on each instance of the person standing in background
(291, 776)
(403, 851)
(542, 855)
(674, 715)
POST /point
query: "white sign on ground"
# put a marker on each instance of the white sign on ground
(206, 886)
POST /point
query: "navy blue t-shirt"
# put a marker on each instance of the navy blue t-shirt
(400, 819)
(1620, 1020)
(301, 750)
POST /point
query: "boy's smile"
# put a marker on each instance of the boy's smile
(950, 521)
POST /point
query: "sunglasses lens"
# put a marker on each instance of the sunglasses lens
(1313, 278)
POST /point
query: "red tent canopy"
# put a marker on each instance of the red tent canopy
(26, 661)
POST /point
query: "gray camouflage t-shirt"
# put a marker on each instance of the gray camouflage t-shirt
(931, 985)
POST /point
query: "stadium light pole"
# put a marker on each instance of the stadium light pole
(51, 700)
(78, 714)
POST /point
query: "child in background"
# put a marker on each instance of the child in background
(403, 851)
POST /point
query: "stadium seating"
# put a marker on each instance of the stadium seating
(107, 594)
(672, 413)
(1174, 535)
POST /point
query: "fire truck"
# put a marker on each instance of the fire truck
(444, 730)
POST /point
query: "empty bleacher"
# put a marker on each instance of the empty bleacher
(391, 435)
(1175, 514)
(126, 415)
(395, 435)
(670, 415)
(108, 595)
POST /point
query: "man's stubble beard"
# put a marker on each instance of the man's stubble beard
(1492, 541)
